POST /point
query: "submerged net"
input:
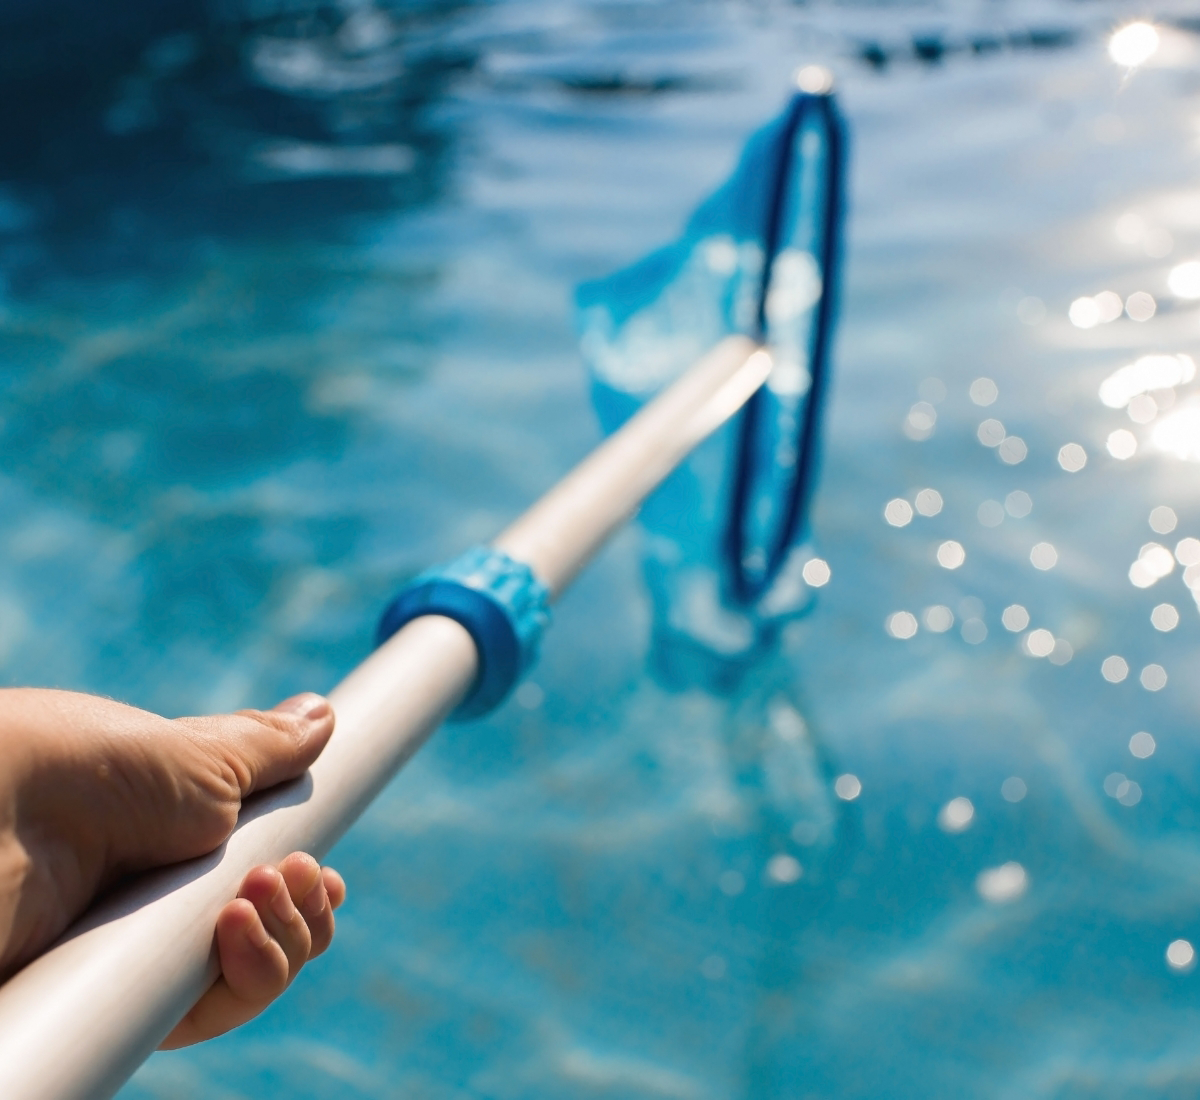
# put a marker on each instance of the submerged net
(728, 555)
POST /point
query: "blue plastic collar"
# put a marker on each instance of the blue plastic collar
(502, 605)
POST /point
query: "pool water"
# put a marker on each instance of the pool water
(252, 382)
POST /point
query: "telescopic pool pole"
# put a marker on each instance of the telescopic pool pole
(77, 1022)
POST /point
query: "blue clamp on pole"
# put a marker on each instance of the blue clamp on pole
(500, 603)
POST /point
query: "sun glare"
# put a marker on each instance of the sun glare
(1133, 44)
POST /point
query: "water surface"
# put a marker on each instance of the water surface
(253, 381)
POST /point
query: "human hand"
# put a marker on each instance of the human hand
(92, 790)
(281, 918)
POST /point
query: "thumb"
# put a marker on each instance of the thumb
(266, 747)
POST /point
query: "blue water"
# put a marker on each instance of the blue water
(251, 383)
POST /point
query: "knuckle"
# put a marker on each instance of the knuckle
(233, 777)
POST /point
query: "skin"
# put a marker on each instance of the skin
(92, 791)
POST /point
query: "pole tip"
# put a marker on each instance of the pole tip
(814, 79)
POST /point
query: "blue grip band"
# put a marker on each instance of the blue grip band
(502, 605)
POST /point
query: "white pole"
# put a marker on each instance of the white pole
(76, 1022)
(558, 535)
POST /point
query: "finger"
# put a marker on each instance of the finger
(253, 965)
(306, 880)
(281, 918)
(263, 748)
(254, 971)
(335, 886)
(269, 892)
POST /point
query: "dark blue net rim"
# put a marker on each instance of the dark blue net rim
(743, 585)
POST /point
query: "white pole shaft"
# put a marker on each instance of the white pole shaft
(558, 535)
(76, 1022)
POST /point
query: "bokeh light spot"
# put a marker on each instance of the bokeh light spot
(898, 512)
(1002, 884)
(731, 883)
(1114, 669)
(529, 695)
(938, 618)
(1018, 504)
(1164, 617)
(1153, 677)
(991, 433)
(1178, 434)
(1121, 444)
(1012, 450)
(816, 572)
(1013, 789)
(1062, 653)
(950, 554)
(1142, 745)
(1163, 520)
(974, 631)
(847, 787)
(1129, 793)
(784, 869)
(929, 502)
(1109, 305)
(1039, 643)
(1015, 618)
(1153, 563)
(1140, 306)
(1181, 955)
(984, 391)
(1142, 409)
(1184, 280)
(1084, 313)
(1150, 372)
(919, 423)
(1072, 457)
(991, 513)
(815, 79)
(1043, 556)
(956, 815)
(1187, 551)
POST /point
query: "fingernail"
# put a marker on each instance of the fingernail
(282, 905)
(257, 935)
(315, 901)
(309, 705)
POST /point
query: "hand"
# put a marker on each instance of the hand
(92, 790)
(281, 918)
